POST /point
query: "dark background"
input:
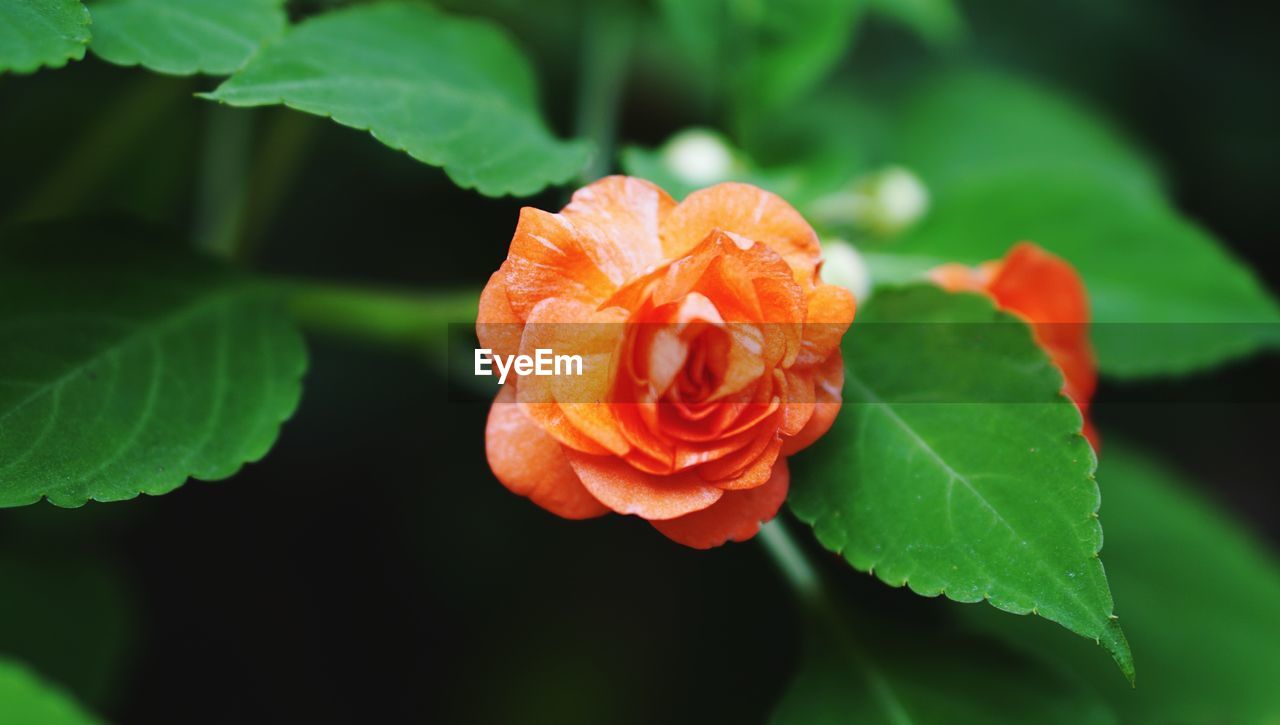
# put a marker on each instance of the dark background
(371, 567)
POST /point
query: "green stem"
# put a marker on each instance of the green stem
(606, 49)
(279, 157)
(386, 316)
(224, 180)
(790, 560)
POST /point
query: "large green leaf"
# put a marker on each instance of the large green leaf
(182, 37)
(450, 92)
(1166, 298)
(1005, 162)
(35, 33)
(126, 367)
(956, 466)
(764, 54)
(1200, 595)
(25, 698)
(964, 125)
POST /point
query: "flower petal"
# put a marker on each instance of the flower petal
(532, 464)
(829, 314)
(549, 257)
(572, 406)
(747, 211)
(497, 325)
(828, 382)
(620, 216)
(735, 517)
(628, 490)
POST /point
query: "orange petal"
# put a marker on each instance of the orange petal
(747, 211)
(549, 258)
(620, 216)
(828, 382)
(532, 464)
(829, 314)
(627, 490)
(497, 325)
(572, 406)
(735, 517)
(1047, 291)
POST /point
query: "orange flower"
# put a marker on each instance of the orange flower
(710, 347)
(1046, 291)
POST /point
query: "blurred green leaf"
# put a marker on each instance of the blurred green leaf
(25, 698)
(1005, 162)
(44, 33)
(963, 126)
(67, 614)
(182, 37)
(937, 21)
(963, 472)
(126, 367)
(448, 91)
(763, 54)
(1165, 297)
(946, 680)
(1200, 599)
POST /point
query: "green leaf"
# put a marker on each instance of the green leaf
(766, 54)
(962, 126)
(65, 613)
(35, 33)
(937, 21)
(951, 680)
(958, 468)
(1200, 599)
(25, 698)
(448, 91)
(1165, 297)
(1005, 161)
(182, 37)
(126, 367)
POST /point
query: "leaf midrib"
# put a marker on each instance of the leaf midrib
(851, 379)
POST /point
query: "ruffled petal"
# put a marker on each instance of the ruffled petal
(735, 517)
(532, 464)
(828, 383)
(628, 490)
(620, 216)
(550, 257)
(497, 325)
(570, 407)
(830, 312)
(747, 211)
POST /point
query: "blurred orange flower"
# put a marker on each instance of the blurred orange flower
(1047, 292)
(711, 352)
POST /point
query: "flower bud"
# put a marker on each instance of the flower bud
(699, 157)
(843, 265)
(883, 203)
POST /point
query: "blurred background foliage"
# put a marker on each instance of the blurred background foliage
(371, 567)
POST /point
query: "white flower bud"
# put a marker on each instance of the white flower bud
(843, 265)
(883, 203)
(699, 157)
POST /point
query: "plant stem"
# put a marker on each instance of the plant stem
(398, 318)
(606, 49)
(280, 153)
(790, 560)
(224, 180)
